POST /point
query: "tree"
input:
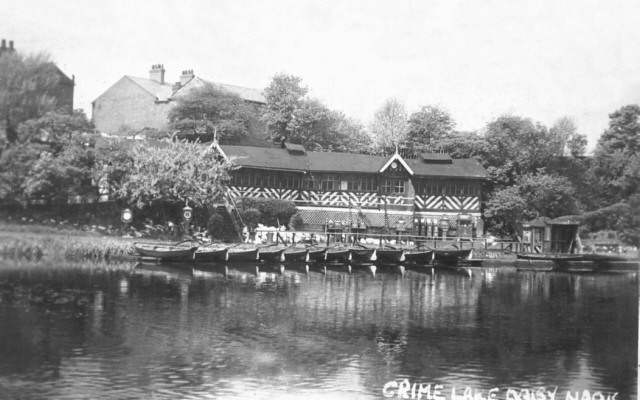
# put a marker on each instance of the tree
(427, 127)
(207, 110)
(350, 135)
(515, 147)
(52, 158)
(616, 161)
(464, 145)
(175, 172)
(565, 139)
(533, 195)
(284, 95)
(389, 125)
(24, 86)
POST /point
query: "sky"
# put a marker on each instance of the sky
(539, 59)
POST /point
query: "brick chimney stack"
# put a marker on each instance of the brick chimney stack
(186, 76)
(4, 48)
(157, 73)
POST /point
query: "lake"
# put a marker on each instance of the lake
(154, 332)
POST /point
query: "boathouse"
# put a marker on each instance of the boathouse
(431, 194)
(546, 235)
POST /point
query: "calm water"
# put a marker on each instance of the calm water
(157, 333)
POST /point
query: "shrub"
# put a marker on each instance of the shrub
(296, 222)
(214, 226)
(251, 217)
(274, 211)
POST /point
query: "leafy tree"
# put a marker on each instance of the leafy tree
(533, 195)
(67, 172)
(274, 212)
(515, 147)
(427, 127)
(173, 172)
(463, 145)
(24, 86)
(350, 135)
(207, 110)
(616, 161)
(15, 165)
(284, 95)
(389, 125)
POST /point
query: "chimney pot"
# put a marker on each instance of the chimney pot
(186, 76)
(10, 44)
(157, 73)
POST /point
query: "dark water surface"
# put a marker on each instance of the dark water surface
(97, 331)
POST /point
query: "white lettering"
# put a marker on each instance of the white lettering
(387, 386)
(493, 394)
(403, 389)
(570, 396)
(586, 395)
(513, 395)
(424, 390)
(437, 392)
(552, 395)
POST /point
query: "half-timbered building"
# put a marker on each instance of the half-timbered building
(378, 194)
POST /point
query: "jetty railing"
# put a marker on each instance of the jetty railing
(289, 237)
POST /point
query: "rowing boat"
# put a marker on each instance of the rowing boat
(166, 252)
(421, 257)
(212, 254)
(271, 254)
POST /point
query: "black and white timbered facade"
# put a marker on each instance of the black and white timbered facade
(365, 192)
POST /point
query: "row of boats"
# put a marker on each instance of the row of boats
(220, 254)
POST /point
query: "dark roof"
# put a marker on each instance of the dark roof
(280, 159)
(436, 157)
(463, 168)
(294, 148)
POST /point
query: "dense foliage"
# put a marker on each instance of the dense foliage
(273, 212)
(209, 110)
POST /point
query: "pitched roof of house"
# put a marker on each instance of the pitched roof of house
(247, 94)
(282, 159)
(162, 91)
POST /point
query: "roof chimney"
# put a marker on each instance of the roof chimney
(186, 76)
(10, 45)
(157, 73)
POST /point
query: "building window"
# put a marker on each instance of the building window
(329, 182)
(290, 181)
(361, 184)
(307, 181)
(395, 186)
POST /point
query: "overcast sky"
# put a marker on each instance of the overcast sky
(476, 59)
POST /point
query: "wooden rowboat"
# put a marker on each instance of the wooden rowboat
(243, 254)
(271, 254)
(166, 252)
(362, 254)
(296, 255)
(451, 256)
(550, 257)
(338, 254)
(317, 254)
(212, 254)
(422, 257)
(388, 255)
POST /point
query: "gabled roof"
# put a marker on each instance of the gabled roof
(396, 157)
(162, 92)
(247, 94)
(313, 161)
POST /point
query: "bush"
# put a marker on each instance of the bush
(214, 226)
(251, 217)
(296, 222)
(274, 211)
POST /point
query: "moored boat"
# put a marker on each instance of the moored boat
(211, 254)
(296, 255)
(242, 254)
(422, 257)
(550, 257)
(388, 255)
(451, 255)
(166, 252)
(362, 254)
(338, 254)
(316, 254)
(271, 254)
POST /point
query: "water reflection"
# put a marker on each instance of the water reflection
(322, 331)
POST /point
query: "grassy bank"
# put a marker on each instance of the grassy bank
(40, 242)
